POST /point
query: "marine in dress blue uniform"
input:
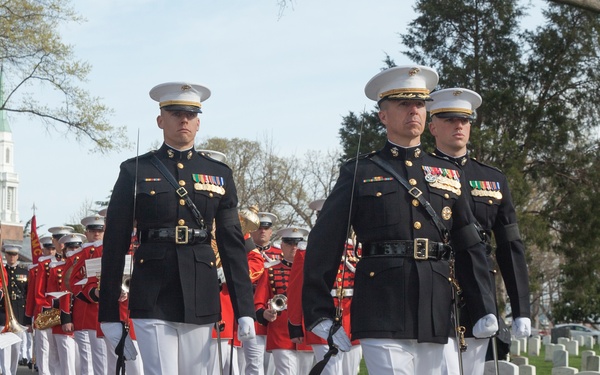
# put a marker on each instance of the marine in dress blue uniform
(401, 309)
(452, 111)
(174, 289)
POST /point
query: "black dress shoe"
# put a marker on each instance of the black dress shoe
(30, 365)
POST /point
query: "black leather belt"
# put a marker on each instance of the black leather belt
(419, 249)
(180, 235)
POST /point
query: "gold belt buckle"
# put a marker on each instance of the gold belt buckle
(421, 248)
(181, 234)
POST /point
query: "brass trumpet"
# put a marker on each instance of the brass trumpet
(126, 283)
(278, 302)
(249, 219)
(12, 325)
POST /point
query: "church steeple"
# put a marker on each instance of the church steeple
(9, 180)
(4, 126)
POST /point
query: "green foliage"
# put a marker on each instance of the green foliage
(33, 58)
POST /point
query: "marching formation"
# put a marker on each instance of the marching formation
(174, 278)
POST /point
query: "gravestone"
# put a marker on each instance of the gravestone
(533, 346)
(527, 370)
(584, 356)
(555, 333)
(505, 368)
(593, 363)
(560, 358)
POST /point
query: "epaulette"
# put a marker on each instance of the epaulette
(143, 156)
(361, 156)
(204, 155)
(486, 165)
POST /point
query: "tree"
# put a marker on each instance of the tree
(281, 185)
(33, 56)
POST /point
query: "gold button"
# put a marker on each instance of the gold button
(210, 195)
(141, 260)
(152, 192)
(180, 222)
(415, 203)
(212, 264)
(181, 183)
(182, 202)
(408, 163)
(446, 196)
(490, 202)
(179, 165)
(339, 279)
(412, 181)
(371, 274)
(417, 225)
(378, 194)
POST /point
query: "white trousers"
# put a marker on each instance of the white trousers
(45, 352)
(65, 350)
(258, 360)
(228, 358)
(92, 352)
(9, 356)
(347, 363)
(134, 367)
(292, 362)
(26, 345)
(402, 357)
(473, 359)
(170, 348)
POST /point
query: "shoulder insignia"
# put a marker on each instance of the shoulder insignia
(486, 165)
(362, 156)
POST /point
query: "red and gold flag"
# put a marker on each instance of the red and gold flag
(36, 247)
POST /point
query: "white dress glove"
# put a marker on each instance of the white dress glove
(113, 332)
(221, 275)
(521, 327)
(340, 338)
(246, 328)
(486, 326)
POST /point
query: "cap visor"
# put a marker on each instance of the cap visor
(184, 108)
(452, 115)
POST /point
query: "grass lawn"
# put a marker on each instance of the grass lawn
(545, 368)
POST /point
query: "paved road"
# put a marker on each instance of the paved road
(24, 370)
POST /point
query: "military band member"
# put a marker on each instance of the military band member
(401, 306)
(452, 111)
(270, 300)
(45, 348)
(17, 294)
(59, 296)
(257, 360)
(174, 290)
(343, 362)
(91, 349)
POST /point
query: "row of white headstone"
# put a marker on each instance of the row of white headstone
(557, 353)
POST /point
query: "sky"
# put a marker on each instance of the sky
(287, 77)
